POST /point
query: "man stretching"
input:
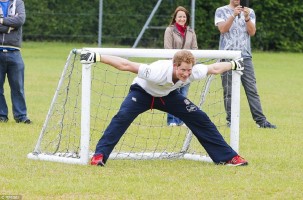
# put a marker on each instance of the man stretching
(155, 88)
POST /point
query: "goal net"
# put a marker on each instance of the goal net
(89, 95)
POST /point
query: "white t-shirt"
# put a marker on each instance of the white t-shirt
(237, 38)
(156, 78)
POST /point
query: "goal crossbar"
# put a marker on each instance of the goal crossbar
(161, 53)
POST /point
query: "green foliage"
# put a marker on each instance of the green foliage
(207, 33)
(279, 23)
(59, 20)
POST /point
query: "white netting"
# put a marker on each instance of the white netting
(148, 136)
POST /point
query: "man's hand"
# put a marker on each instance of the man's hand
(88, 57)
(246, 12)
(237, 64)
(237, 11)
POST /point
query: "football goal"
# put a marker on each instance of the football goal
(89, 95)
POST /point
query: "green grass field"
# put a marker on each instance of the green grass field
(275, 169)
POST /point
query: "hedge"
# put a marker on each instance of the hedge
(279, 22)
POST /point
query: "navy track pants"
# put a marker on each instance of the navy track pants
(138, 101)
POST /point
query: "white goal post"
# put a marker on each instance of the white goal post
(88, 96)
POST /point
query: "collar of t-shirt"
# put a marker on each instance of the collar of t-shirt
(4, 8)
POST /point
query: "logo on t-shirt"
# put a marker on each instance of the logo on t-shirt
(147, 72)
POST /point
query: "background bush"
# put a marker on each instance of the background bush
(279, 22)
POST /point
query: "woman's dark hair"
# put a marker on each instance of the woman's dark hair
(180, 8)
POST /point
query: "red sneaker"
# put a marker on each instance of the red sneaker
(97, 160)
(236, 161)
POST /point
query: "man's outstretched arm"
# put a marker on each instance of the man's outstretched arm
(220, 67)
(119, 63)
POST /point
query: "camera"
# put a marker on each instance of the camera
(244, 3)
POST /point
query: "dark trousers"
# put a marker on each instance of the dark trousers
(12, 66)
(173, 119)
(248, 80)
(138, 101)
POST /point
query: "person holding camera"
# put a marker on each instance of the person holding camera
(237, 24)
